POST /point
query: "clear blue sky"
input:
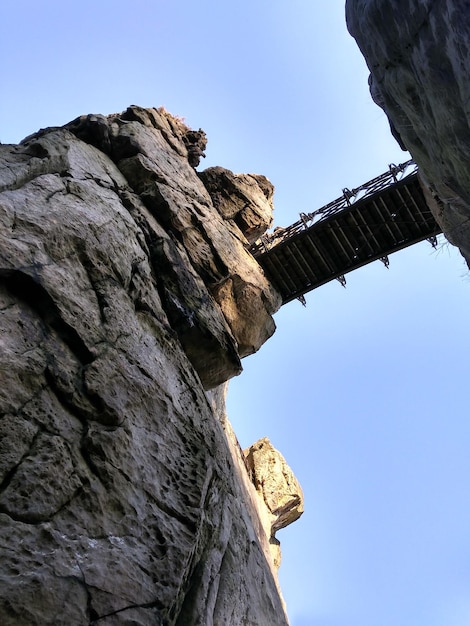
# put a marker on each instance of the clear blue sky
(363, 391)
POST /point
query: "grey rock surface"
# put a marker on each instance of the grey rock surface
(245, 198)
(418, 54)
(122, 499)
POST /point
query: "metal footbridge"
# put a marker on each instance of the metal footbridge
(365, 224)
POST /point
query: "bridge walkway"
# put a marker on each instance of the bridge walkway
(391, 213)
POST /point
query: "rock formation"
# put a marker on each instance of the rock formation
(418, 54)
(127, 298)
(277, 488)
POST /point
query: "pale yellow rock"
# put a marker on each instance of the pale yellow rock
(275, 481)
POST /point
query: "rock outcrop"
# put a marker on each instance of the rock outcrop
(418, 54)
(127, 293)
(277, 488)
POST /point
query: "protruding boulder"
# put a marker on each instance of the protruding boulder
(247, 199)
(276, 486)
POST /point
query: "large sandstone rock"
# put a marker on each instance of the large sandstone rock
(276, 483)
(277, 488)
(418, 54)
(245, 198)
(122, 498)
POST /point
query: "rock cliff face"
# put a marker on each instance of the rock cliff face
(418, 54)
(127, 293)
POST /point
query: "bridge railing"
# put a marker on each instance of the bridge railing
(394, 174)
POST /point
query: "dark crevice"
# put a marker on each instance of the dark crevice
(153, 243)
(155, 604)
(207, 273)
(87, 457)
(21, 409)
(157, 205)
(36, 149)
(27, 288)
(160, 265)
(96, 409)
(171, 512)
(145, 373)
(92, 614)
(92, 129)
(10, 474)
(84, 482)
(22, 180)
(105, 415)
(91, 275)
(65, 399)
(33, 519)
(158, 261)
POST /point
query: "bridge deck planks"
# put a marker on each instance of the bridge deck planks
(368, 230)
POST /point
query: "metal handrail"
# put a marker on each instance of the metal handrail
(378, 184)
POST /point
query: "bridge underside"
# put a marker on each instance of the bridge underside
(370, 229)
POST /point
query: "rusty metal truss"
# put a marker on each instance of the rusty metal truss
(365, 224)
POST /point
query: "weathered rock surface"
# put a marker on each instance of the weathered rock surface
(277, 488)
(269, 483)
(418, 54)
(275, 481)
(245, 198)
(124, 296)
